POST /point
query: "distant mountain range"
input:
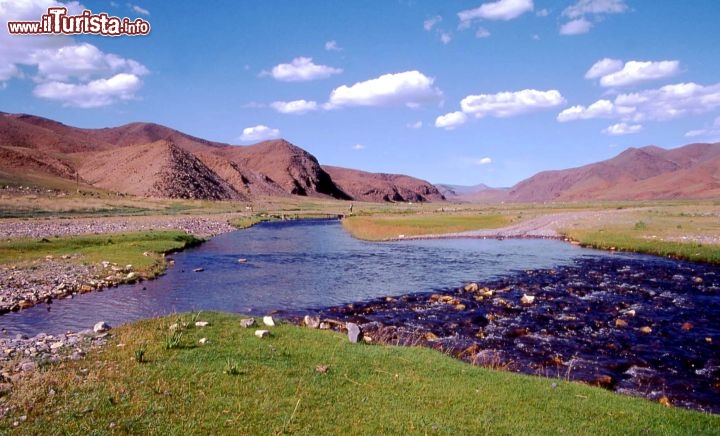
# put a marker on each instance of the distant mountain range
(146, 159)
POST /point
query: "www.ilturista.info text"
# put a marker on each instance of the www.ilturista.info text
(56, 21)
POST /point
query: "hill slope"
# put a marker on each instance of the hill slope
(364, 186)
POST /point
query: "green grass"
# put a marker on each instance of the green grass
(624, 240)
(121, 248)
(381, 227)
(239, 384)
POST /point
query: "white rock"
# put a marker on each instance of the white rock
(262, 333)
(247, 322)
(527, 299)
(269, 321)
(203, 341)
(201, 324)
(101, 327)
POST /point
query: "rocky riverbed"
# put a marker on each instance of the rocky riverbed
(641, 326)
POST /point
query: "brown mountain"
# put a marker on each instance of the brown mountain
(152, 160)
(364, 186)
(692, 171)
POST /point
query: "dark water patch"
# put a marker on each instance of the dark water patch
(638, 325)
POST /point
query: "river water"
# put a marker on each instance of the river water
(637, 324)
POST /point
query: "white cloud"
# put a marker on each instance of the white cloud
(415, 125)
(507, 104)
(482, 33)
(714, 130)
(332, 46)
(81, 61)
(595, 7)
(431, 22)
(101, 92)
(599, 109)
(358, 147)
(636, 71)
(498, 10)
(604, 67)
(64, 66)
(451, 120)
(484, 161)
(294, 107)
(622, 129)
(542, 13)
(576, 27)
(410, 88)
(259, 133)
(445, 38)
(302, 69)
(667, 102)
(139, 10)
(578, 12)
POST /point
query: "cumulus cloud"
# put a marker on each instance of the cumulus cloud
(507, 104)
(665, 103)
(604, 67)
(101, 92)
(576, 27)
(636, 71)
(431, 22)
(302, 69)
(451, 120)
(498, 10)
(294, 107)
(622, 129)
(59, 66)
(713, 130)
(484, 161)
(332, 46)
(410, 88)
(415, 125)
(482, 33)
(358, 147)
(81, 61)
(578, 13)
(595, 7)
(259, 133)
(599, 109)
(139, 10)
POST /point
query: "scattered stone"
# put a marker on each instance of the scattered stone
(325, 326)
(131, 276)
(527, 299)
(620, 323)
(198, 269)
(687, 326)
(312, 322)
(322, 369)
(630, 312)
(269, 321)
(354, 332)
(262, 333)
(471, 287)
(247, 322)
(665, 401)
(646, 330)
(242, 260)
(101, 327)
(201, 324)
(204, 341)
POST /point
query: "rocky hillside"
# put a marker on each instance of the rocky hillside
(148, 159)
(376, 187)
(692, 171)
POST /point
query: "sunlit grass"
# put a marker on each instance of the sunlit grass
(381, 227)
(238, 384)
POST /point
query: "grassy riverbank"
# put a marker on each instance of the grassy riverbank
(383, 227)
(309, 381)
(120, 248)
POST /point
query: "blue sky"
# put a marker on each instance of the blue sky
(461, 92)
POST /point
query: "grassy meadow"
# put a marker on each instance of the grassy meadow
(153, 379)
